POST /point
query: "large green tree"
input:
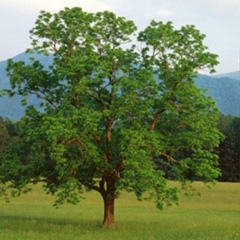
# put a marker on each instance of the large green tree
(114, 116)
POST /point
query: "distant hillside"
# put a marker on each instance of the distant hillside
(223, 89)
(234, 75)
(11, 107)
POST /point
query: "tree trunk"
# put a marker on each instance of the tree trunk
(108, 219)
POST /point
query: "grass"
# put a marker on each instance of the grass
(214, 216)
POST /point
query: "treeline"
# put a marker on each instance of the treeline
(228, 150)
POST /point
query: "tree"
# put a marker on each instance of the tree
(4, 136)
(113, 117)
(8, 136)
(229, 149)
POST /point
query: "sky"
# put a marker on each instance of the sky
(218, 19)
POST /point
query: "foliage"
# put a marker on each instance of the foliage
(4, 136)
(112, 117)
(229, 149)
(8, 137)
(224, 91)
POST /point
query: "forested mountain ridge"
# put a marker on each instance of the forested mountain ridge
(224, 89)
(234, 75)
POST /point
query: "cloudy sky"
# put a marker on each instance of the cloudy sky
(218, 19)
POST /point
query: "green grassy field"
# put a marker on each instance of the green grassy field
(214, 216)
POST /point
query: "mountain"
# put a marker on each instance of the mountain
(224, 89)
(234, 75)
(11, 107)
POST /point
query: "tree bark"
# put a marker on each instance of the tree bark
(108, 218)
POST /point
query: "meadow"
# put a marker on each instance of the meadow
(213, 216)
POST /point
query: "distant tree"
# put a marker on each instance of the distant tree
(229, 149)
(4, 136)
(106, 119)
(8, 137)
(12, 127)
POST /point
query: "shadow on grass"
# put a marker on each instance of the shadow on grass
(48, 222)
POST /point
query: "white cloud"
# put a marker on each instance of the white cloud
(34, 6)
(228, 2)
(218, 19)
(166, 13)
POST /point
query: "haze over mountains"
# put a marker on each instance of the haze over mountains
(234, 75)
(224, 89)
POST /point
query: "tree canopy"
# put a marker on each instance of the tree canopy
(119, 110)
